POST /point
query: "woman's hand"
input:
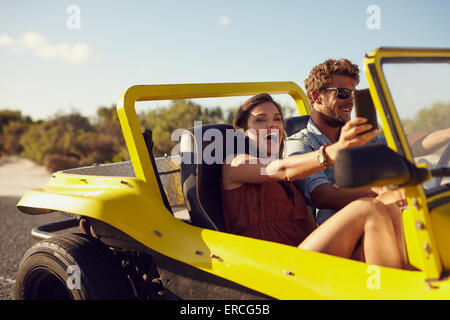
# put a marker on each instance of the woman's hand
(352, 136)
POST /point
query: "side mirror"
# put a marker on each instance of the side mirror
(376, 165)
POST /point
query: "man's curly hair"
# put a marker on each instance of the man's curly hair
(320, 75)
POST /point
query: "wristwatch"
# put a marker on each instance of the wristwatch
(322, 157)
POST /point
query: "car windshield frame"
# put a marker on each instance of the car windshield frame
(387, 110)
(374, 68)
(390, 73)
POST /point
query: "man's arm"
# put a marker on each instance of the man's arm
(317, 189)
(327, 196)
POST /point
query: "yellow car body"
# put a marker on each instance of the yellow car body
(134, 206)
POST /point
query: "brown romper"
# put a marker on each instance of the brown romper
(265, 211)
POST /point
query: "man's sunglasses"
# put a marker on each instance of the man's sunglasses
(342, 93)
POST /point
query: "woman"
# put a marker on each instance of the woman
(259, 201)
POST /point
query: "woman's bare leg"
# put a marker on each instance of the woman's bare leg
(393, 201)
(396, 215)
(364, 217)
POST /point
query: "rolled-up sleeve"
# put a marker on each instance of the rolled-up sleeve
(309, 184)
(306, 185)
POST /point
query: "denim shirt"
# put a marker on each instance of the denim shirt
(308, 140)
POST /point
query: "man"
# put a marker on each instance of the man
(330, 88)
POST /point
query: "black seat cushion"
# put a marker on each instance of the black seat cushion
(295, 124)
(201, 178)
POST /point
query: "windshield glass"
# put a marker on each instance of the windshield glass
(421, 93)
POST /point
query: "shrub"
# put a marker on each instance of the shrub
(10, 142)
(57, 162)
(432, 118)
(12, 126)
(60, 135)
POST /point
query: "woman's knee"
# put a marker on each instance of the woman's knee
(377, 216)
(372, 209)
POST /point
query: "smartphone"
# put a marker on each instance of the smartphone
(364, 107)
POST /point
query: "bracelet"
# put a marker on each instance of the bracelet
(323, 157)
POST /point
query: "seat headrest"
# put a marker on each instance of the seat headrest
(295, 124)
(203, 151)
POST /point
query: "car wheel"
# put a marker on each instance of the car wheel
(71, 267)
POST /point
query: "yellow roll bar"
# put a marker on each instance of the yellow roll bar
(130, 124)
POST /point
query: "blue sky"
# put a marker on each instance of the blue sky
(46, 67)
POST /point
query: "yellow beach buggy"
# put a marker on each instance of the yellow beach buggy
(135, 243)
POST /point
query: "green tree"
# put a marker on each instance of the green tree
(9, 115)
(429, 119)
(108, 127)
(180, 114)
(70, 140)
(60, 135)
(286, 109)
(12, 126)
(289, 111)
(10, 137)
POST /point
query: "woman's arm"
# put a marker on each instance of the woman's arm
(245, 168)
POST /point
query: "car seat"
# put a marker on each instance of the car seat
(295, 124)
(201, 180)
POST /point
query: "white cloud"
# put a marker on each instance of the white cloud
(39, 46)
(224, 21)
(6, 40)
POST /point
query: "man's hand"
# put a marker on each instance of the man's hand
(379, 190)
(352, 136)
(391, 196)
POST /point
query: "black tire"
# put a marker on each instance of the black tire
(44, 275)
